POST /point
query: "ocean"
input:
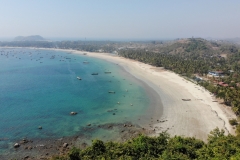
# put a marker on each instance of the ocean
(40, 88)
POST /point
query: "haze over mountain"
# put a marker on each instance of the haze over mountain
(29, 38)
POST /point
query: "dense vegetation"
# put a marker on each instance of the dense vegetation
(162, 147)
(188, 57)
(198, 57)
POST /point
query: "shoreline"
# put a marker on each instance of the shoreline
(195, 118)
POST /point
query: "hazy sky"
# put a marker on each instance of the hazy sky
(120, 19)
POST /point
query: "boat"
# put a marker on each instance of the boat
(111, 91)
(79, 78)
(186, 99)
(85, 62)
(94, 73)
(107, 72)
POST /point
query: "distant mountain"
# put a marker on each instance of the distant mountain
(29, 38)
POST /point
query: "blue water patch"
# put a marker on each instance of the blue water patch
(40, 88)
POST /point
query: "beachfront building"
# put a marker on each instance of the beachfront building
(196, 78)
(216, 73)
(223, 84)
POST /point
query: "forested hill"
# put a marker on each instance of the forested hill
(196, 46)
(186, 56)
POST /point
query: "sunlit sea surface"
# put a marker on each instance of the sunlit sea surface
(40, 88)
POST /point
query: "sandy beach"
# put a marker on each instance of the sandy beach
(195, 118)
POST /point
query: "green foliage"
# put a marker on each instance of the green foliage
(219, 146)
(238, 130)
(233, 122)
(196, 45)
(182, 148)
(74, 154)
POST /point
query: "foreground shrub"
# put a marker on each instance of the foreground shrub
(233, 122)
(219, 146)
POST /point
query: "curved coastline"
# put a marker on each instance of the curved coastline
(168, 112)
(195, 118)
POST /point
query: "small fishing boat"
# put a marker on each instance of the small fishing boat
(111, 91)
(107, 72)
(94, 73)
(79, 78)
(186, 99)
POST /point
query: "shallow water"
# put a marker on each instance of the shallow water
(40, 88)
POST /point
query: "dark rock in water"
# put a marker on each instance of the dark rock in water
(65, 145)
(89, 124)
(39, 127)
(16, 145)
(73, 113)
(24, 141)
(114, 113)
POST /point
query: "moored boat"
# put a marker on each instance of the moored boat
(107, 72)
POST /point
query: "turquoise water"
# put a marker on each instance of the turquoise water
(40, 88)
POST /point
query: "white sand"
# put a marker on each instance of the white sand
(195, 118)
